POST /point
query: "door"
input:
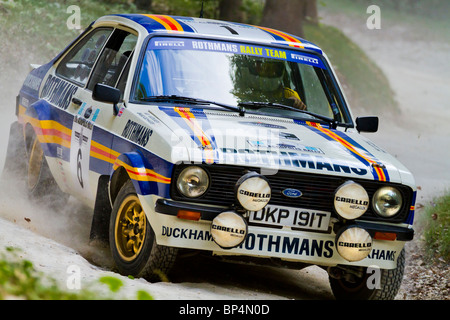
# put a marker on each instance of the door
(101, 57)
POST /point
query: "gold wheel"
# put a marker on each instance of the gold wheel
(130, 228)
(35, 164)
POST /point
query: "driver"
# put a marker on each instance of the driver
(266, 76)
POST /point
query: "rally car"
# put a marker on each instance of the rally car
(228, 139)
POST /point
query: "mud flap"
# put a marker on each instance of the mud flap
(15, 163)
(102, 212)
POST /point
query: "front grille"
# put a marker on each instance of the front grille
(317, 190)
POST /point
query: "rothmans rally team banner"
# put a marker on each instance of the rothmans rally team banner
(170, 43)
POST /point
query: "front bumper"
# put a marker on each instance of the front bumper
(291, 245)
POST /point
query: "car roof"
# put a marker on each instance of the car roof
(223, 29)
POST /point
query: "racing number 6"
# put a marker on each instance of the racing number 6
(79, 169)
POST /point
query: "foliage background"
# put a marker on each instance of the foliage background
(34, 31)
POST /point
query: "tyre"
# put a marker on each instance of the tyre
(389, 284)
(15, 165)
(40, 183)
(132, 240)
(36, 170)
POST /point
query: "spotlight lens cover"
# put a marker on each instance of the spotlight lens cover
(253, 192)
(229, 229)
(351, 200)
(354, 244)
(387, 202)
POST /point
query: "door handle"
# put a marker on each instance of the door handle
(77, 101)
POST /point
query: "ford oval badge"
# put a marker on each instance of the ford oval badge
(292, 193)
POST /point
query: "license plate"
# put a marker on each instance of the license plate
(292, 217)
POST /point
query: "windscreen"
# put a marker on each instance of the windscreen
(236, 73)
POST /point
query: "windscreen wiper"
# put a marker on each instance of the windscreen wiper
(189, 100)
(257, 104)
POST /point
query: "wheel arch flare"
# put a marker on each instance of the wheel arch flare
(145, 177)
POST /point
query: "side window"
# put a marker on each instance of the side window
(113, 59)
(124, 76)
(315, 96)
(78, 63)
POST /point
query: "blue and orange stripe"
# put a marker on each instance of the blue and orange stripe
(292, 41)
(196, 124)
(141, 174)
(53, 133)
(412, 209)
(169, 23)
(379, 172)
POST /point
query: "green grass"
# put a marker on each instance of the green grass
(40, 26)
(436, 224)
(365, 85)
(20, 280)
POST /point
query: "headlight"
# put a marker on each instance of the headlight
(351, 200)
(387, 202)
(193, 182)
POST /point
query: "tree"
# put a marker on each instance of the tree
(231, 10)
(310, 11)
(289, 15)
(143, 4)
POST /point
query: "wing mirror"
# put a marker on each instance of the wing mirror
(104, 93)
(367, 124)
